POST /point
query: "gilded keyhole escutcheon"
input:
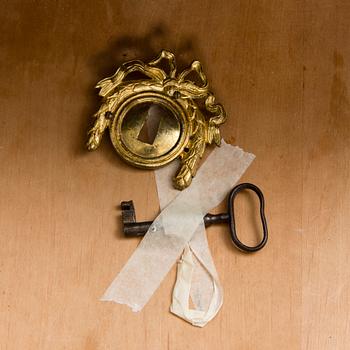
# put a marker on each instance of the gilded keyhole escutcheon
(156, 118)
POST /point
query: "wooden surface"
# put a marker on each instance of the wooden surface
(281, 69)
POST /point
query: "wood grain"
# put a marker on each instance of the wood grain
(281, 69)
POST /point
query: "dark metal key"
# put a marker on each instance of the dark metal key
(132, 228)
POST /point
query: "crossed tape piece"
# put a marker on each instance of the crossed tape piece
(177, 230)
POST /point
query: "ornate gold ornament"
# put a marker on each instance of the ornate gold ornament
(131, 103)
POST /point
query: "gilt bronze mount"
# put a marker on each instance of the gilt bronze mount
(185, 112)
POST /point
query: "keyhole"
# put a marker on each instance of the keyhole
(149, 130)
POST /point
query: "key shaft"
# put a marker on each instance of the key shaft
(137, 229)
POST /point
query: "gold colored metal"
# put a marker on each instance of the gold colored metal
(130, 105)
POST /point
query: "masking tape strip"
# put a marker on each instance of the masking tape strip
(174, 228)
(209, 290)
(196, 273)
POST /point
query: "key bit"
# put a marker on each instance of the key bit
(131, 227)
(128, 212)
